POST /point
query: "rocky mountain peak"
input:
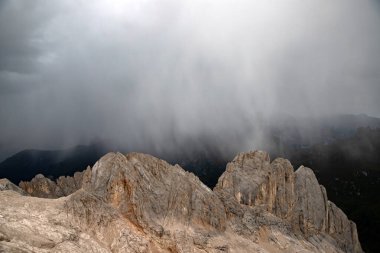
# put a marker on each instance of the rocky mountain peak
(296, 197)
(154, 194)
(139, 203)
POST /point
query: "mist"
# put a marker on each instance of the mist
(156, 75)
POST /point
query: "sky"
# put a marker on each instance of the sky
(152, 73)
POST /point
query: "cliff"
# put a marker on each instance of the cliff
(139, 203)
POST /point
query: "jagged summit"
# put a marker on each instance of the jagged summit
(139, 203)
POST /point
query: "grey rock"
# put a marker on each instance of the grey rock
(5, 185)
(251, 182)
(139, 203)
(154, 194)
(310, 207)
(342, 229)
(43, 187)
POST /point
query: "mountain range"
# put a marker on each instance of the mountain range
(139, 203)
(342, 150)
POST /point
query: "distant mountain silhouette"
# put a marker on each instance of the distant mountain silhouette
(51, 163)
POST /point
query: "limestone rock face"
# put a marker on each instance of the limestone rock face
(244, 176)
(69, 185)
(154, 194)
(282, 188)
(43, 187)
(310, 210)
(253, 181)
(342, 229)
(78, 223)
(139, 203)
(295, 197)
(5, 184)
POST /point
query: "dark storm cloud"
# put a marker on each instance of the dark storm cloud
(155, 73)
(21, 26)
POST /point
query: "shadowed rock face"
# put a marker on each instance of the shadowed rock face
(139, 203)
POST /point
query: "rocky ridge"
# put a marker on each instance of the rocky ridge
(139, 203)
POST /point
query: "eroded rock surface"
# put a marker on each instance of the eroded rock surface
(295, 197)
(43, 187)
(139, 203)
(5, 184)
(154, 194)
